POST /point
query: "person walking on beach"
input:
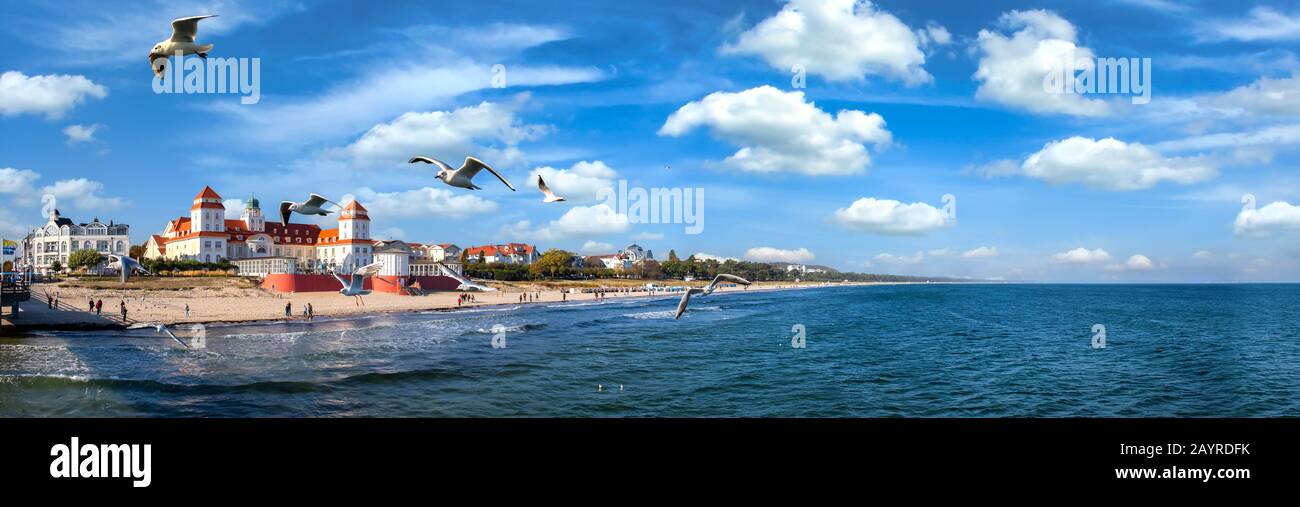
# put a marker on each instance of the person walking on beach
(124, 311)
(187, 310)
(99, 307)
(288, 309)
(92, 304)
(311, 312)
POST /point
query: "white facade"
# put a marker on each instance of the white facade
(60, 237)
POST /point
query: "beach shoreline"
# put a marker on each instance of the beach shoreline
(224, 306)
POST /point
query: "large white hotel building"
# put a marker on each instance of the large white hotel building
(206, 235)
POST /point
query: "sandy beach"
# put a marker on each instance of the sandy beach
(233, 300)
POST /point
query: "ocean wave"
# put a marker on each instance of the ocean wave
(511, 329)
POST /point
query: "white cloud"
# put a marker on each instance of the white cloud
(935, 34)
(235, 208)
(1139, 262)
(1263, 24)
(710, 257)
(489, 130)
(1111, 164)
(1202, 254)
(940, 252)
(887, 216)
(915, 258)
(357, 105)
(1012, 68)
(78, 134)
(780, 131)
(981, 252)
(578, 222)
(17, 183)
(595, 247)
(769, 254)
(1081, 256)
(50, 95)
(1264, 97)
(840, 40)
(426, 202)
(1272, 135)
(1274, 217)
(83, 194)
(579, 183)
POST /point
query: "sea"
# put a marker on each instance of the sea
(921, 350)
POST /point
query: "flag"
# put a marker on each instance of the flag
(9, 248)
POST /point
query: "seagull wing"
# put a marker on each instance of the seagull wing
(345, 284)
(550, 196)
(446, 271)
(318, 200)
(285, 212)
(472, 166)
(184, 29)
(369, 269)
(724, 276)
(429, 160)
(686, 298)
(165, 329)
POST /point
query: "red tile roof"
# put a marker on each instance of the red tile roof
(208, 193)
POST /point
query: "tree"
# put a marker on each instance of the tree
(481, 258)
(8, 267)
(136, 252)
(672, 256)
(554, 261)
(84, 259)
(56, 266)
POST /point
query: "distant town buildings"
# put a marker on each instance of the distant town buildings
(803, 269)
(510, 253)
(60, 237)
(624, 259)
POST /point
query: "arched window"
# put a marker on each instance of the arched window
(119, 247)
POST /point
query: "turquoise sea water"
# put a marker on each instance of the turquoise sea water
(878, 351)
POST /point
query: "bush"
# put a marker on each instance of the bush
(84, 259)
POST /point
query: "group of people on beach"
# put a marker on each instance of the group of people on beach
(465, 298)
(308, 312)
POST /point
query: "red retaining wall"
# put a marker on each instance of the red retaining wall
(327, 283)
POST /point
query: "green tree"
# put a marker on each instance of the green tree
(56, 266)
(136, 252)
(481, 258)
(554, 262)
(84, 259)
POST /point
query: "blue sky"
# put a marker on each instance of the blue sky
(903, 102)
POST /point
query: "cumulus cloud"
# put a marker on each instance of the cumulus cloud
(1137, 262)
(710, 257)
(578, 222)
(980, 252)
(422, 202)
(84, 194)
(48, 95)
(1012, 66)
(490, 130)
(840, 40)
(1111, 164)
(591, 247)
(770, 254)
(1264, 97)
(1081, 256)
(1274, 217)
(234, 208)
(78, 134)
(780, 131)
(887, 216)
(579, 183)
(16, 184)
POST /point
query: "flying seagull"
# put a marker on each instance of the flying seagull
(354, 286)
(183, 32)
(460, 177)
(550, 196)
(311, 207)
(162, 328)
(125, 265)
(708, 289)
(465, 283)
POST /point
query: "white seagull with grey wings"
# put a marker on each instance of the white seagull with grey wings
(463, 177)
(708, 289)
(355, 286)
(126, 265)
(182, 40)
(465, 283)
(546, 191)
(313, 206)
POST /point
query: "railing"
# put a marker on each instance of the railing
(14, 289)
